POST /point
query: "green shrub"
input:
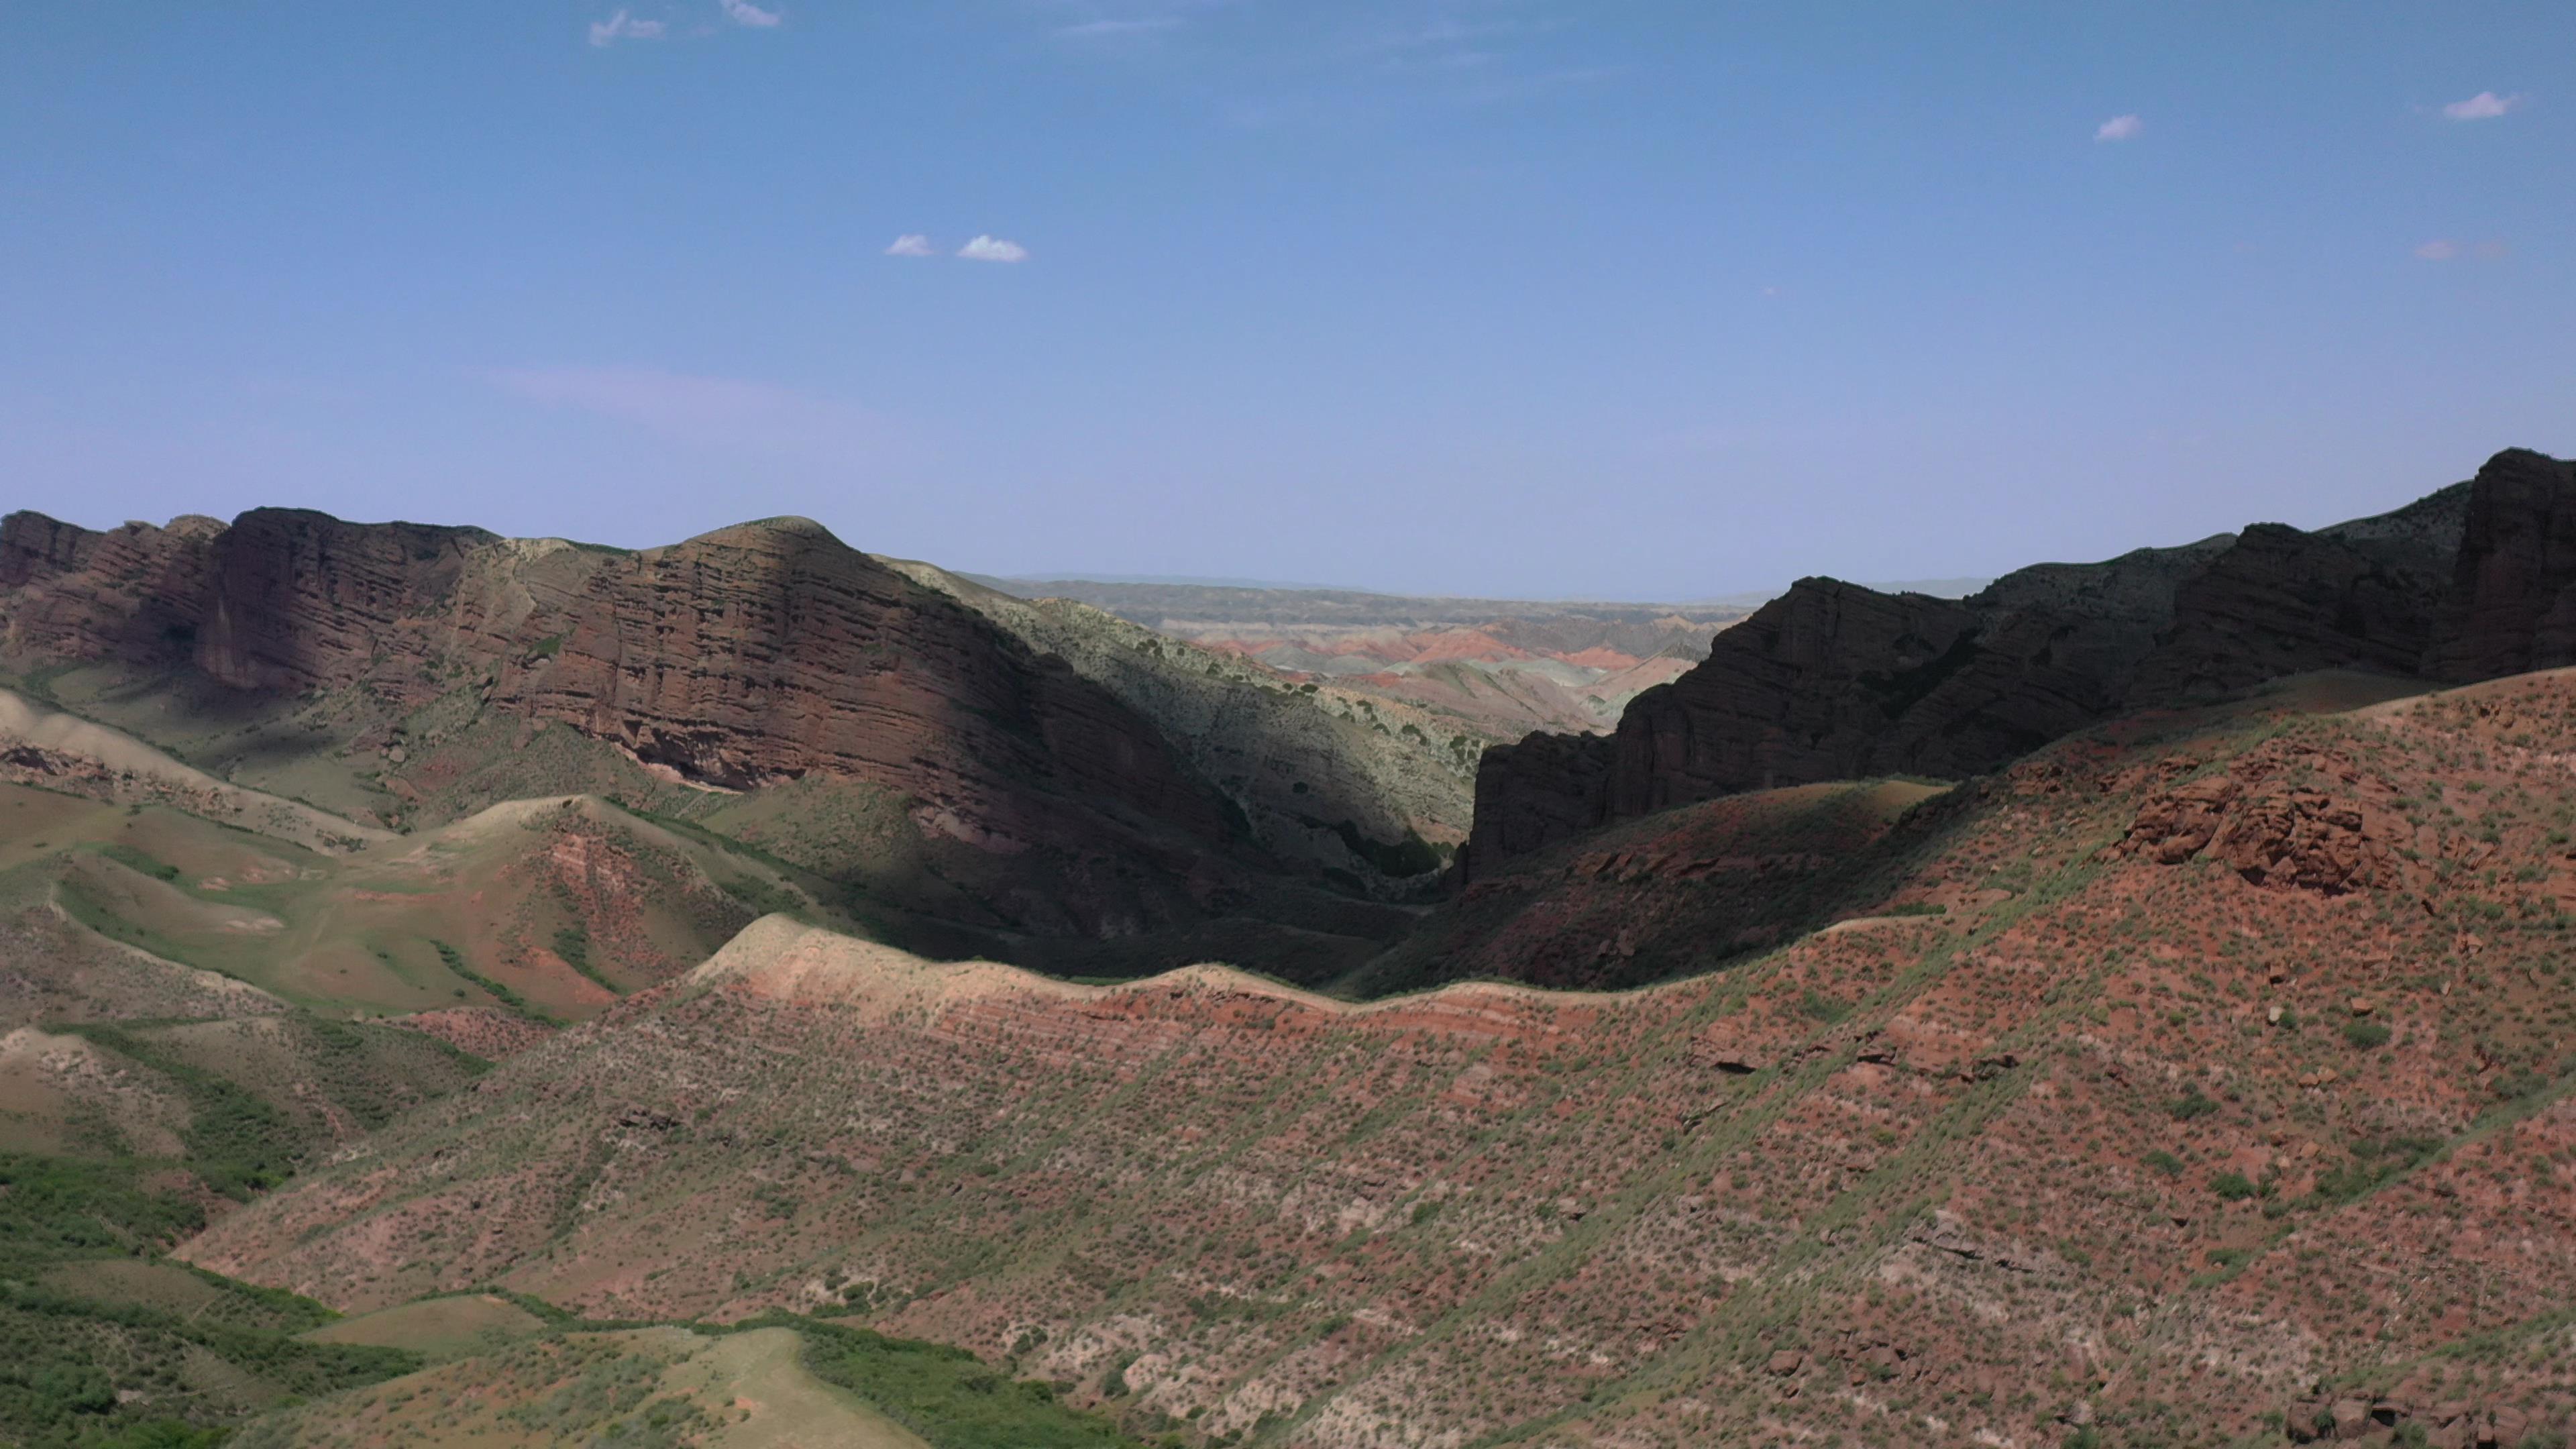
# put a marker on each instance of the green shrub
(1822, 1007)
(947, 1395)
(2193, 1103)
(138, 862)
(454, 960)
(2364, 1033)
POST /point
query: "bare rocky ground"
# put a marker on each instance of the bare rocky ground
(2225, 1099)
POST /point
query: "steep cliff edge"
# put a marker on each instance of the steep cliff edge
(1835, 681)
(854, 720)
(2512, 605)
(1374, 790)
(753, 654)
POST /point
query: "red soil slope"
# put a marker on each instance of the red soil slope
(2227, 1098)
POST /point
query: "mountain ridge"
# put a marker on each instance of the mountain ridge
(1834, 681)
(405, 674)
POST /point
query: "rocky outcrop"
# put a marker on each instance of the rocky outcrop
(755, 654)
(299, 600)
(2512, 605)
(2283, 838)
(1546, 788)
(2442, 1424)
(770, 651)
(1835, 681)
(2284, 602)
(133, 592)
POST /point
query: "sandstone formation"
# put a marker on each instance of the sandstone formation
(2272, 832)
(1022, 797)
(749, 655)
(2513, 591)
(2283, 602)
(131, 593)
(1835, 681)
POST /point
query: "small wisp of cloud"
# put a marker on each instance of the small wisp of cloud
(910, 244)
(1118, 29)
(2119, 128)
(2442, 249)
(1449, 44)
(743, 12)
(2484, 106)
(623, 26)
(993, 249)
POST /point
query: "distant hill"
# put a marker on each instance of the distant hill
(1496, 667)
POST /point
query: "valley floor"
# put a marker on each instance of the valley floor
(2205, 1078)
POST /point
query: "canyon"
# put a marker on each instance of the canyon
(467, 989)
(1498, 667)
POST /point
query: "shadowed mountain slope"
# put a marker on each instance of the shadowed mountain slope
(1314, 767)
(974, 794)
(1835, 681)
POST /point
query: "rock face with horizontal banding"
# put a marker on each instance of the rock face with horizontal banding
(2512, 605)
(755, 654)
(1835, 681)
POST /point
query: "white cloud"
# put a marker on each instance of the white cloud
(718, 412)
(2119, 128)
(743, 12)
(993, 249)
(910, 244)
(2443, 249)
(622, 26)
(1107, 29)
(2484, 106)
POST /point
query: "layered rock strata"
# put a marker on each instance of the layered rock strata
(751, 655)
(1835, 681)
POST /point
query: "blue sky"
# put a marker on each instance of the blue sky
(1524, 297)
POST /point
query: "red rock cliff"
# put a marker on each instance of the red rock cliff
(1835, 681)
(2512, 606)
(758, 653)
